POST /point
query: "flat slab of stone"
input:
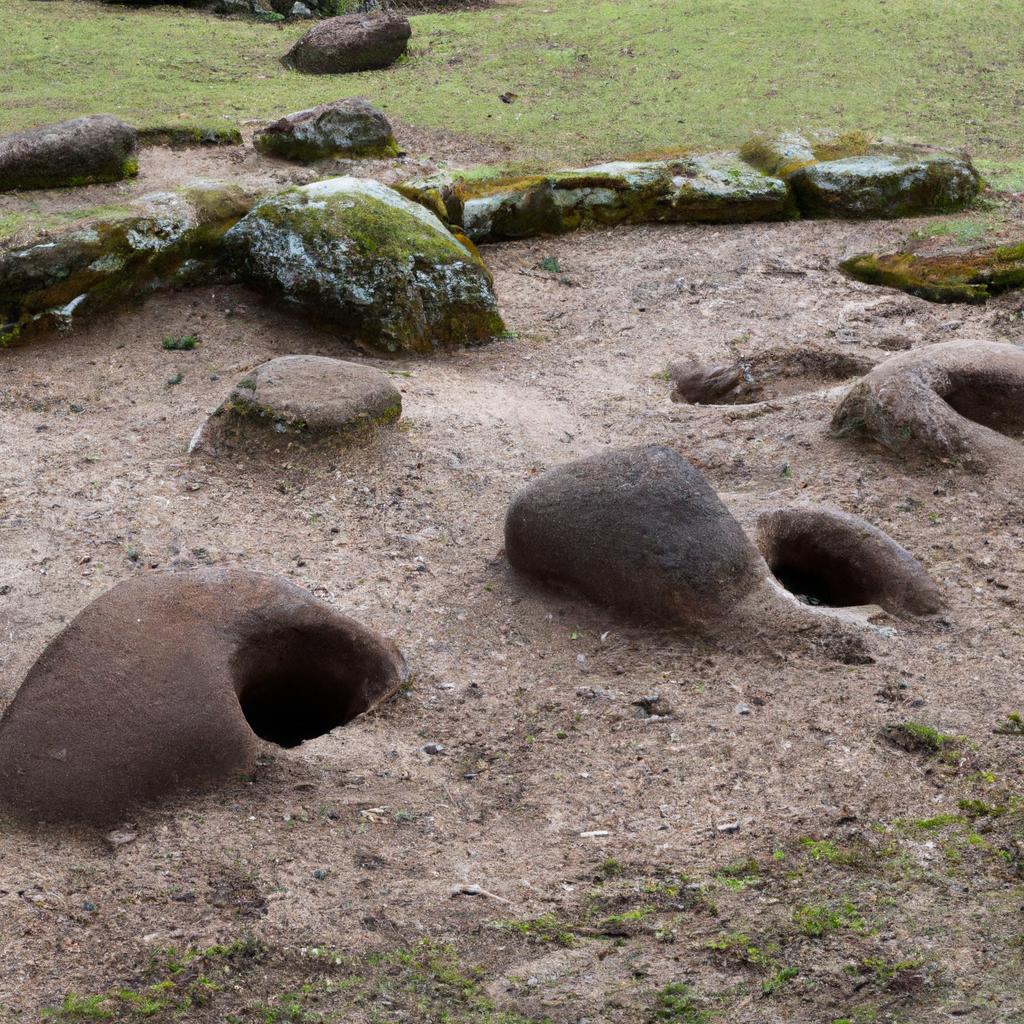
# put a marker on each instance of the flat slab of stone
(345, 128)
(83, 151)
(351, 42)
(709, 188)
(163, 239)
(972, 276)
(165, 684)
(855, 176)
(958, 401)
(308, 397)
(380, 269)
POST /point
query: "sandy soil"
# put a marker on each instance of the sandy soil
(355, 840)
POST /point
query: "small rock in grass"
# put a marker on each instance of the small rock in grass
(351, 42)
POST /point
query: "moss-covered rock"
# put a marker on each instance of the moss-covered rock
(972, 276)
(83, 151)
(345, 128)
(167, 238)
(302, 397)
(855, 176)
(716, 188)
(382, 270)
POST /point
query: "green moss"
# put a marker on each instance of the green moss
(971, 277)
(818, 920)
(677, 1003)
(287, 147)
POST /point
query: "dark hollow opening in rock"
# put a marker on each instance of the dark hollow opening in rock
(992, 400)
(300, 684)
(816, 576)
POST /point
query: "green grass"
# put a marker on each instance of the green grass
(593, 79)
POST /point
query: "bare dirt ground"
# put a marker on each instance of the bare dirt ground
(665, 829)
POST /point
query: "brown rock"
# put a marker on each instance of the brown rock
(833, 558)
(351, 42)
(345, 128)
(164, 683)
(83, 151)
(955, 401)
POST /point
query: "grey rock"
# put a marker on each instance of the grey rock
(345, 128)
(351, 42)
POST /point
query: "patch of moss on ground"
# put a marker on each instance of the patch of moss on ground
(592, 80)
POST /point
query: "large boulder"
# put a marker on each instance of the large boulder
(166, 683)
(84, 151)
(956, 401)
(855, 176)
(345, 128)
(638, 529)
(351, 42)
(379, 268)
(303, 397)
(163, 239)
(837, 559)
(972, 276)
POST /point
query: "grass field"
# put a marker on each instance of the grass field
(593, 79)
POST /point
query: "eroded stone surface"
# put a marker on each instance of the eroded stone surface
(956, 401)
(351, 42)
(167, 238)
(308, 397)
(164, 683)
(345, 128)
(841, 560)
(83, 151)
(381, 269)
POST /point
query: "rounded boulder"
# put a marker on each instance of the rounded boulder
(346, 128)
(351, 42)
(166, 683)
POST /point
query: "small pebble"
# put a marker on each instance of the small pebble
(432, 748)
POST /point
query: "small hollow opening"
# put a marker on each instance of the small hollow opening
(299, 684)
(830, 583)
(993, 400)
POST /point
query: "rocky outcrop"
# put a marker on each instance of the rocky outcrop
(379, 269)
(972, 276)
(164, 239)
(351, 42)
(84, 151)
(855, 176)
(833, 558)
(303, 397)
(345, 128)
(166, 683)
(956, 401)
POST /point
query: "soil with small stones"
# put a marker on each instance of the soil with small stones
(581, 753)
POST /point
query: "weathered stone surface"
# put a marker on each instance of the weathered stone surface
(83, 151)
(164, 683)
(381, 269)
(351, 42)
(166, 238)
(181, 136)
(345, 128)
(972, 276)
(308, 397)
(638, 529)
(837, 559)
(713, 188)
(955, 401)
(854, 176)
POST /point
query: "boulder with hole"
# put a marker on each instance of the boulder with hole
(837, 559)
(854, 175)
(306, 398)
(379, 269)
(638, 529)
(166, 683)
(959, 401)
(83, 151)
(351, 42)
(345, 128)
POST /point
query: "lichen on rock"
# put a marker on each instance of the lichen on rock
(972, 276)
(380, 269)
(345, 128)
